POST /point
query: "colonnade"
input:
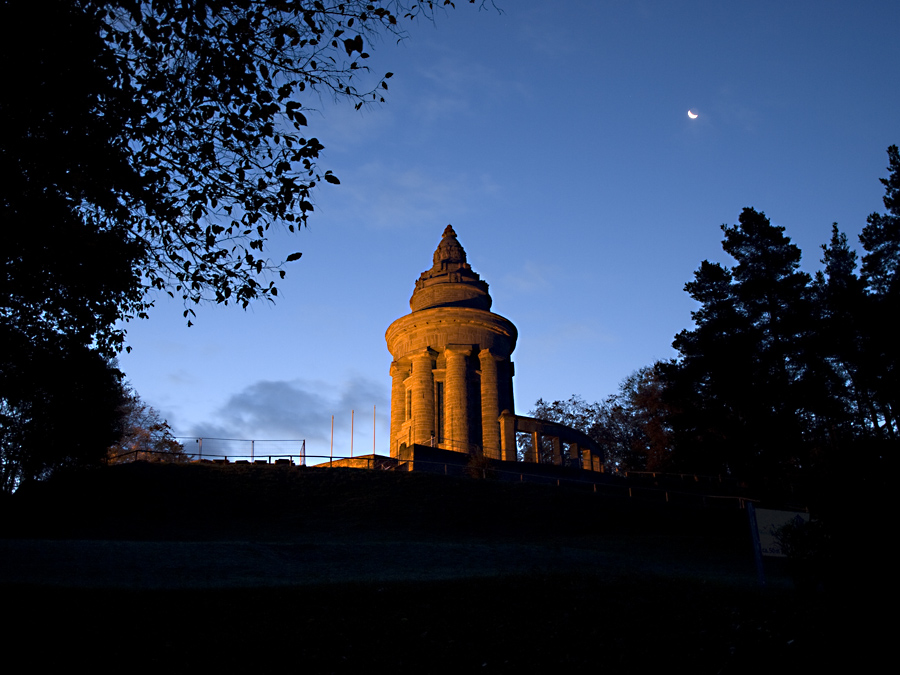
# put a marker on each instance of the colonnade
(427, 400)
(580, 446)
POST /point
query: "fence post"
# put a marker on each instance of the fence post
(754, 537)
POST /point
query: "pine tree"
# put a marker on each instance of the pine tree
(881, 273)
(737, 386)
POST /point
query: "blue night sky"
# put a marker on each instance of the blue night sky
(555, 138)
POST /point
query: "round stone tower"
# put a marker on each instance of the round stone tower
(451, 374)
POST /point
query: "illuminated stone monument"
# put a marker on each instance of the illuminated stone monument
(451, 374)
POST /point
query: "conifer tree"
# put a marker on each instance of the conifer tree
(738, 383)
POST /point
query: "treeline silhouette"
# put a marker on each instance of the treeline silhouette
(784, 375)
(148, 148)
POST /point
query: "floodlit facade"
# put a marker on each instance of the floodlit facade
(451, 373)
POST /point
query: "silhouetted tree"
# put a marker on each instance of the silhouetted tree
(631, 426)
(70, 266)
(840, 379)
(737, 385)
(881, 237)
(881, 273)
(857, 352)
(178, 127)
(59, 408)
(574, 412)
(145, 434)
(150, 146)
(641, 394)
(780, 375)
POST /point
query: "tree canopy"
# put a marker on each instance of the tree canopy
(629, 425)
(145, 434)
(151, 146)
(742, 366)
(880, 273)
(881, 236)
(70, 267)
(782, 376)
(166, 138)
(59, 408)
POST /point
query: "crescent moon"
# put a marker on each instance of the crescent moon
(693, 116)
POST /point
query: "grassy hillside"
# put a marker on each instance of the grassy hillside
(342, 570)
(214, 501)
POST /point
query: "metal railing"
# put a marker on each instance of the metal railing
(244, 449)
(611, 484)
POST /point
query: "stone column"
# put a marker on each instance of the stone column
(586, 459)
(557, 450)
(536, 447)
(509, 372)
(423, 397)
(507, 436)
(490, 406)
(456, 413)
(398, 405)
(573, 453)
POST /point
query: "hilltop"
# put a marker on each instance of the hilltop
(422, 573)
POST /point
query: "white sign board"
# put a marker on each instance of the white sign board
(768, 522)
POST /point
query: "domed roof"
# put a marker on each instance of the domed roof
(450, 282)
(449, 251)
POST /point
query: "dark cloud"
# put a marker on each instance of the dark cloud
(294, 409)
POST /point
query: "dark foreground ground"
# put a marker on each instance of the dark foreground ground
(197, 567)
